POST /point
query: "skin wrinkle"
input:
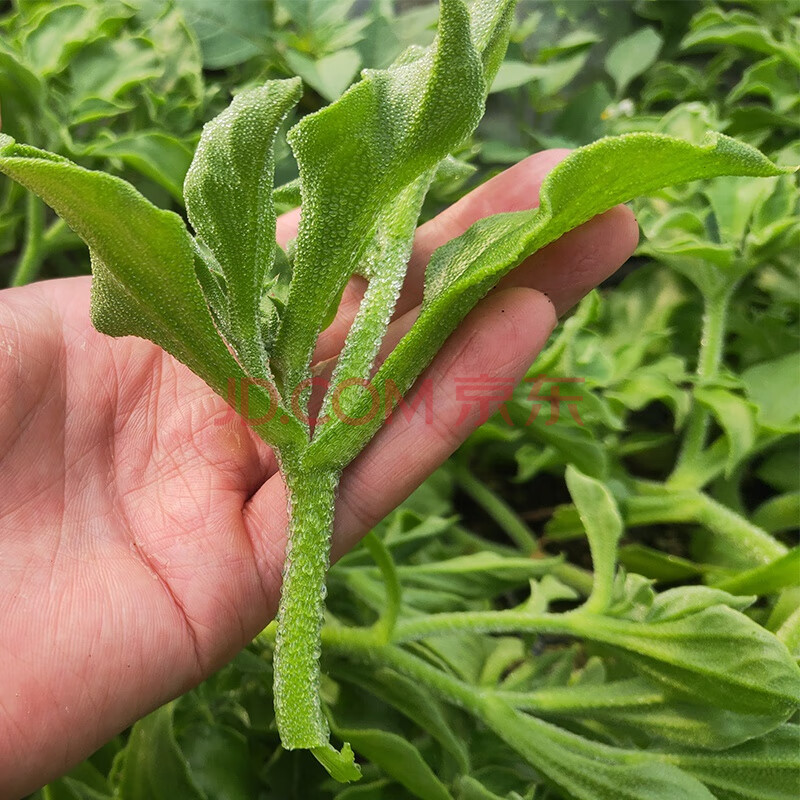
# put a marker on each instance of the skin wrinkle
(189, 629)
(35, 404)
(265, 594)
(17, 744)
(137, 548)
(10, 362)
(170, 464)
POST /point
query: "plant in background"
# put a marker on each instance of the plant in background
(239, 311)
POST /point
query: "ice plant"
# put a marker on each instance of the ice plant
(216, 298)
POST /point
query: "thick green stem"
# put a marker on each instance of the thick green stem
(712, 343)
(298, 712)
(387, 260)
(31, 258)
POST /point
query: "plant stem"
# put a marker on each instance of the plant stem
(657, 503)
(297, 643)
(394, 592)
(583, 699)
(387, 257)
(581, 580)
(58, 237)
(31, 258)
(712, 343)
(364, 648)
(481, 622)
(516, 529)
(497, 508)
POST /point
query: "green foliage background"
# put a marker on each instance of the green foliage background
(687, 452)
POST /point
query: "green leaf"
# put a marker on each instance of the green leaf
(767, 768)
(104, 72)
(734, 202)
(156, 155)
(779, 513)
(772, 386)
(682, 601)
(229, 34)
(782, 466)
(773, 78)
(736, 416)
(639, 708)
(131, 242)
(411, 699)
(768, 578)
(632, 56)
(376, 790)
(356, 156)
(324, 26)
(471, 789)
(715, 27)
(340, 764)
(228, 193)
(56, 32)
(21, 91)
(476, 575)
(574, 40)
(658, 381)
(655, 564)
(601, 520)
(576, 444)
(589, 770)
(220, 761)
(329, 75)
(741, 542)
(586, 183)
(513, 74)
(152, 766)
(69, 789)
(716, 656)
(143, 263)
(398, 758)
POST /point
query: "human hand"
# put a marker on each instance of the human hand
(142, 528)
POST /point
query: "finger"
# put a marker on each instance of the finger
(569, 268)
(499, 338)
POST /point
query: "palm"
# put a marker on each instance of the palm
(142, 525)
(123, 506)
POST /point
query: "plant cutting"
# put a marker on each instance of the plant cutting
(236, 309)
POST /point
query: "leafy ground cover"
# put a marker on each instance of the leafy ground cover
(669, 499)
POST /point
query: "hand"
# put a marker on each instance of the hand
(142, 528)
